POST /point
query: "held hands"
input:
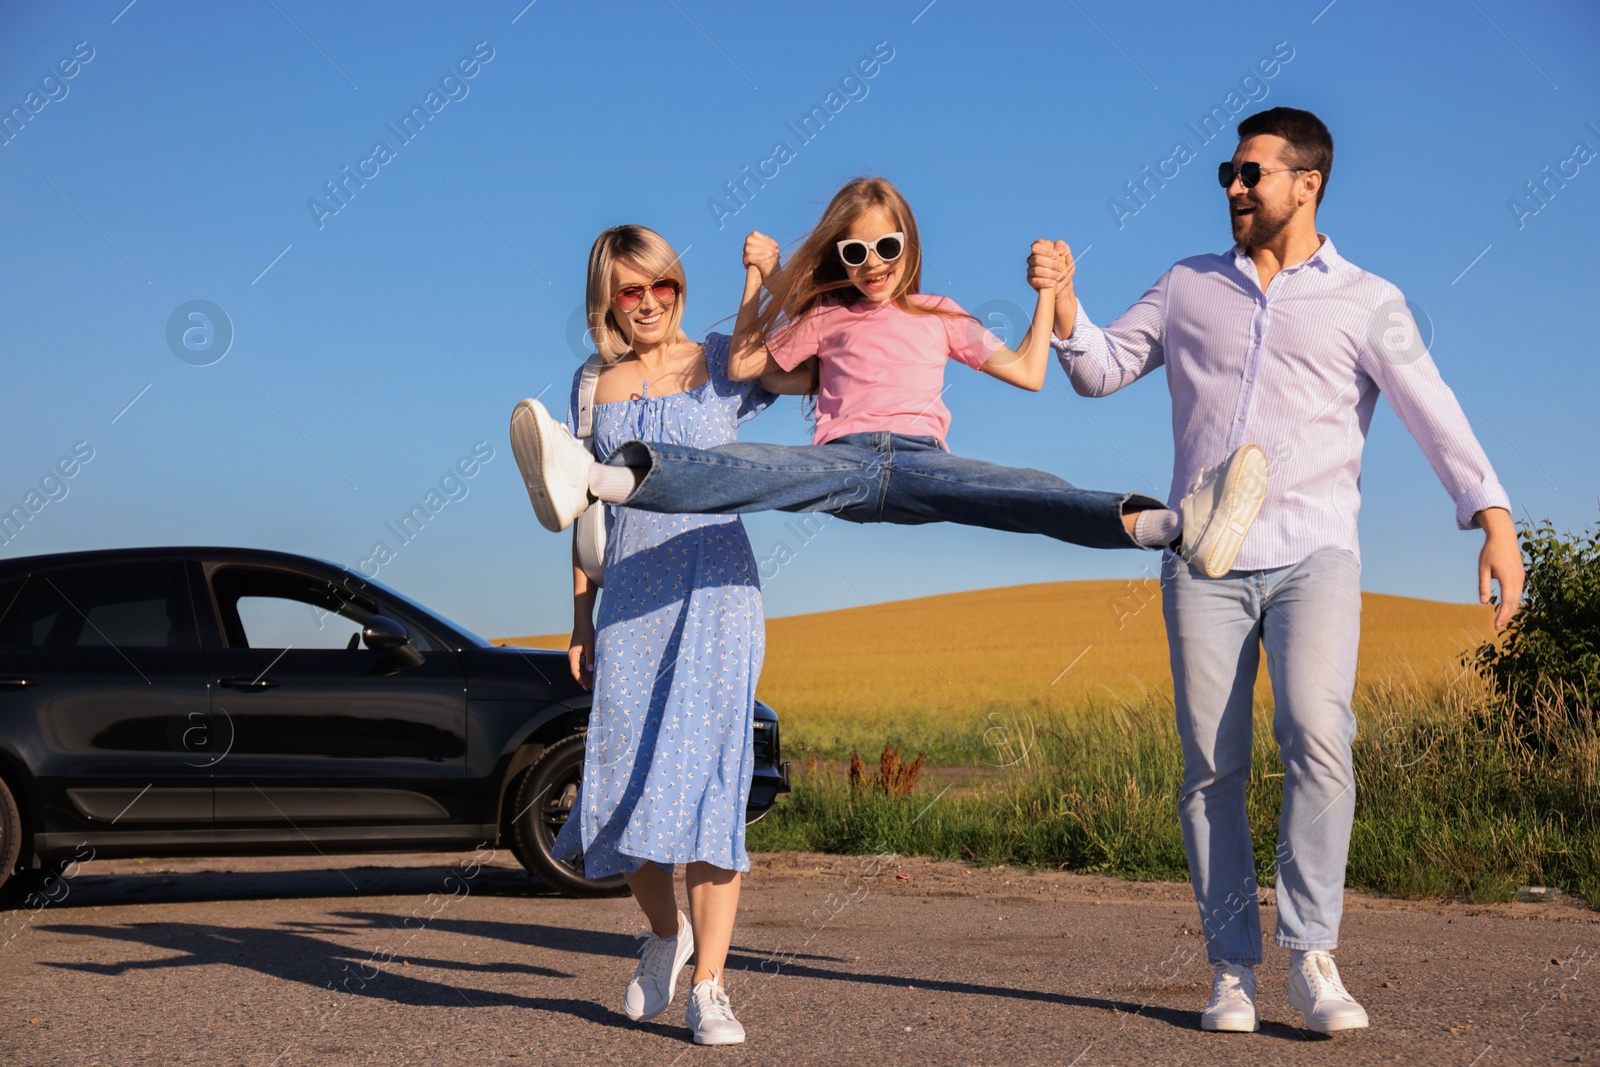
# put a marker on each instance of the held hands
(1051, 264)
(761, 252)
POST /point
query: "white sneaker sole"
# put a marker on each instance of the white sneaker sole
(1242, 496)
(681, 957)
(1231, 1026)
(1351, 1022)
(714, 1040)
(527, 445)
(1337, 1026)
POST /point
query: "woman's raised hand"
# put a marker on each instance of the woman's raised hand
(761, 252)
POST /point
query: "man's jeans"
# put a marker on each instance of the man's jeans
(876, 477)
(1308, 617)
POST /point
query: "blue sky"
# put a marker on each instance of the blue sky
(373, 347)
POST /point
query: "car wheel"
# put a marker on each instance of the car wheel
(544, 801)
(10, 833)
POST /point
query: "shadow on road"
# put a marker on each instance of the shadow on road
(302, 952)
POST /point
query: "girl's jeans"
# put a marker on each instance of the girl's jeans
(876, 477)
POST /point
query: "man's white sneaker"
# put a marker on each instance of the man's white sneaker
(1316, 991)
(711, 1017)
(1220, 509)
(655, 980)
(1233, 1000)
(554, 465)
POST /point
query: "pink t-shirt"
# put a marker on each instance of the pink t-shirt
(882, 368)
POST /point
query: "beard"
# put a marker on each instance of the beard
(1260, 226)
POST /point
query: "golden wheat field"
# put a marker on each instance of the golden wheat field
(951, 660)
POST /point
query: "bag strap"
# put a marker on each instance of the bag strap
(587, 379)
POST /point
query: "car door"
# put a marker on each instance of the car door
(314, 729)
(103, 698)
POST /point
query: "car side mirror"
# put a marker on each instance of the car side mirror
(383, 634)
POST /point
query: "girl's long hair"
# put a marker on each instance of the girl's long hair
(815, 276)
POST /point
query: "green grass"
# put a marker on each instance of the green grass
(1451, 800)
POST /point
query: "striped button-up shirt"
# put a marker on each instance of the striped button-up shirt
(1297, 370)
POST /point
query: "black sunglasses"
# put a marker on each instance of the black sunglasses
(1249, 174)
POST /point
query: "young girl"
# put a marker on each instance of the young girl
(674, 658)
(852, 299)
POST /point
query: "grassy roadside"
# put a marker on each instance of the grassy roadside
(1451, 800)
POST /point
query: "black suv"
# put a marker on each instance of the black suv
(221, 701)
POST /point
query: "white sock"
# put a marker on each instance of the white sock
(610, 484)
(1157, 528)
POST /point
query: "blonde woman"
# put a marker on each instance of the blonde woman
(674, 655)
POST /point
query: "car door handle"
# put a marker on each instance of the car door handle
(14, 683)
(250, 685)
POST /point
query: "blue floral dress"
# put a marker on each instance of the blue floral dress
(678, 648)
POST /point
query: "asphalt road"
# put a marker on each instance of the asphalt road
(430, 960)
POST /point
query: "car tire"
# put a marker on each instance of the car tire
(544, 800)
(10, 833)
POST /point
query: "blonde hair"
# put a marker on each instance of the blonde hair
(649, 252)
(815, 275)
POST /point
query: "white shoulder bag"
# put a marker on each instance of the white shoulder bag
(589, 531)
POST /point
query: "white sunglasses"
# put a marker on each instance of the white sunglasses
(887, 248)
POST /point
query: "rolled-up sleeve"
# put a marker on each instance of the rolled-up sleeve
(1101, 361)
(1399, 362)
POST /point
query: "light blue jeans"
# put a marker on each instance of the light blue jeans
(876, 477)
(1308, 619)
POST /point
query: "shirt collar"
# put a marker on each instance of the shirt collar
(1326, 258)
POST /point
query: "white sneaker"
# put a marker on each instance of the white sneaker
(1316, 991)
(655, 980)
(1220, 509)
(711, 1018)
(554, 465)
(1233, 1000)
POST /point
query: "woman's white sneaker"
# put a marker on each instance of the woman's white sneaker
(655, 980)
(1233, 1000)
(1220, 509)
(554, 465)
(711, 1017)
(1316, 991)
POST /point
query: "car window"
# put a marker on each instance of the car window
(265, 607)
(125, 605)
(286, 622)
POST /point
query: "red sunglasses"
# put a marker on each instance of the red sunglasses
(665, 290)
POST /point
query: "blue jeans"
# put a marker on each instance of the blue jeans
(876, 477)
(1308, 618)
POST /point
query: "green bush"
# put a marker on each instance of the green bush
(1551, 650)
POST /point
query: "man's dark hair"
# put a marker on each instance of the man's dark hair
(1310, 143)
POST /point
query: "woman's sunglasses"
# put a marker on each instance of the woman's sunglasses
(1249, 174)
(888, 248)
(665, 291)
